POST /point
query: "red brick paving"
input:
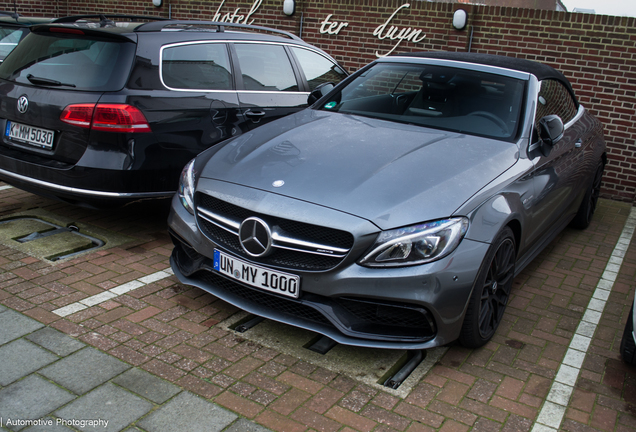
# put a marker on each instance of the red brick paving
(170, 330)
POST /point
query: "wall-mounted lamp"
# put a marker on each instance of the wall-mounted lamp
(157, 3)
(289, 7)
(460, 18)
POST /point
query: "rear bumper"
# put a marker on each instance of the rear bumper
(88, 184)
(49, 188)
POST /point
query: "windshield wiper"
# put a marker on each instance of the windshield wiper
(46, 81)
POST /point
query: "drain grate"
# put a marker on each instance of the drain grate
(393, 371)
(48, 240)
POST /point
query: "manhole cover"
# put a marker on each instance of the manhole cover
(45, 236)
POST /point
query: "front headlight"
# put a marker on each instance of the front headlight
(416, 244)
(186, 187)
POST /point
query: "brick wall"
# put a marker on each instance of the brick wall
(597, 53)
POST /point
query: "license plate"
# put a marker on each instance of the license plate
(260, 277)
(29, 134)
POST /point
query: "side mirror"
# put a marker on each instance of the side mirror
(551, 129)
(320, 91)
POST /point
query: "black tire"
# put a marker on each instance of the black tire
(491, 292)
(628, 347)
(588, 205)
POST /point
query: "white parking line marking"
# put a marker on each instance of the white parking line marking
(69, 309)
(127, 287)
(112, 293)
(551, 415)
(5, 187)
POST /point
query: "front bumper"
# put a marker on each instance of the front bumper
(414, 307)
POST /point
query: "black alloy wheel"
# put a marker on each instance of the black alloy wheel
(585, 213)
(491, 292)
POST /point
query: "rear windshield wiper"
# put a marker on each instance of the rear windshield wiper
(46, 81)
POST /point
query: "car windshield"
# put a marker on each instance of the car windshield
(454, 99)
(69, 62)
(9, 38)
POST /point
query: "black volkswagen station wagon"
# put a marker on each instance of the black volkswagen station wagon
(102, 112)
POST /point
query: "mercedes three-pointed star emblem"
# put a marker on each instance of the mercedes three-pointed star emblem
(255, 237)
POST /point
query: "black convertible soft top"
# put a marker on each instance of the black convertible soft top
(540, 70)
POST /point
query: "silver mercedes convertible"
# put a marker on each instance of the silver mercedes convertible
(396, 211)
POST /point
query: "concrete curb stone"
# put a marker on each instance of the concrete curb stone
(188, 412)
(108, 403)
(20, 358)
(31, 398)
(147, 385)
(55, 341)
(15, 325)
(84, 370)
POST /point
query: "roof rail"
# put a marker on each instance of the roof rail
(190, 25)
(106, 17)
(14, 15)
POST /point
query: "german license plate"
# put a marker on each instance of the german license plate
(260, 277)
(29, 134)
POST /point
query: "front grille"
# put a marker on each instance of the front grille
(280, 258)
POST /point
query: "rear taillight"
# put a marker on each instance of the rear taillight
(106, 117)
(78, 115)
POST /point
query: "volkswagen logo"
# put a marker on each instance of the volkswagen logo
(255, 237)
(23, 104)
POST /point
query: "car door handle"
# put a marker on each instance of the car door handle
(254, 114)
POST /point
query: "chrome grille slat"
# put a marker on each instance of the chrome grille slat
(225, 223)
(283, 242)
(214, 215)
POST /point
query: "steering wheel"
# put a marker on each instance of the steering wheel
(490, 116)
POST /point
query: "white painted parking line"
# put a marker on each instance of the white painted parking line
(127, 287)
(155, 277)
(112, 293)
(98, 298)
(5, 187)
(553, 410)
(69, 309)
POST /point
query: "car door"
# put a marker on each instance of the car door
(268, 86)
(558, 170)
(195, 106)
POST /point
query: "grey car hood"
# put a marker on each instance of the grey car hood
(389, 173)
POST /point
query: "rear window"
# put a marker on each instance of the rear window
(9, 38)
(69, 62)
